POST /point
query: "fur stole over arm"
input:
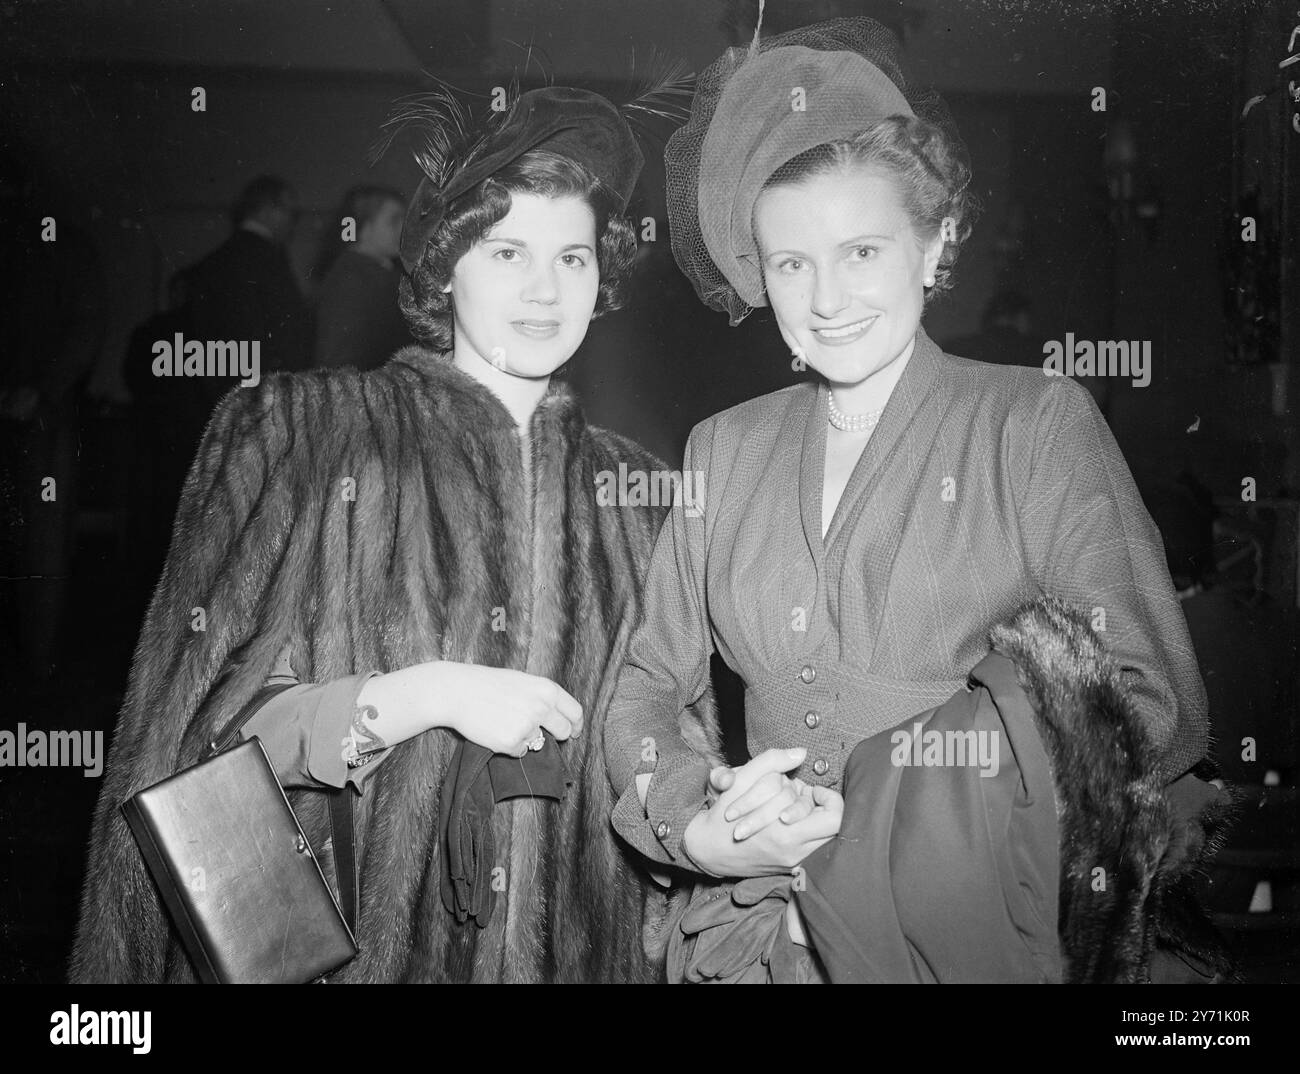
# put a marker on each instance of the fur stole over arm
(1131, 846)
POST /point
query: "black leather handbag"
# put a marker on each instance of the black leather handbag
(235, 871)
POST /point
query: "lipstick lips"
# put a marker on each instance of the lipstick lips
(536, 329)
(845, 333)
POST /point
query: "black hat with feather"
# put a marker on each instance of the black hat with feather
(574, 123)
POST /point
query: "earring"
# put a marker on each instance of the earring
(929, 281)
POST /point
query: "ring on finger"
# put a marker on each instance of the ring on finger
(536, 743)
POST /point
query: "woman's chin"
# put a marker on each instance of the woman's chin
(530, 359)
(847, 369)
(851, 366)
(535, 366)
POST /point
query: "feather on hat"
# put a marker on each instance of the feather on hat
(456, 154)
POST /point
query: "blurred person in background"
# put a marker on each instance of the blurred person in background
(245, 289)
(358, 320)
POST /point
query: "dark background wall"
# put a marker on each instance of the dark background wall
(100, 94)
(95, 96)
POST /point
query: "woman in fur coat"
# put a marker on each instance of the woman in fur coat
(423, 549)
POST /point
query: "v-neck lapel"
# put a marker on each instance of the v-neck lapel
(812, 469)
(909, 393)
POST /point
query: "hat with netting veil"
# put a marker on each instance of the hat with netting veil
(757, 108)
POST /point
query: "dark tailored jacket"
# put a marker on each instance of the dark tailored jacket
(982, 488)
(358, 322)
(245, 290)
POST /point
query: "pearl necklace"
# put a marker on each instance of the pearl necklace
(857, 423)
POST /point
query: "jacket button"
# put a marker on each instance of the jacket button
(662, 829)
(821, 766)
(811, 720)
(808, 673)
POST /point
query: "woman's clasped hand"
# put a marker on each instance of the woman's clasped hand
(762, 821)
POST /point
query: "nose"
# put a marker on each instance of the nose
(828, 296)
(543, 286)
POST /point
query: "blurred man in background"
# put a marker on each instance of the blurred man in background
(358, 321)
(245, 289)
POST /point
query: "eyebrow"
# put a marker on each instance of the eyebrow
(524, 246)
(857, 240)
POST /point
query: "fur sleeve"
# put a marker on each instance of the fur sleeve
(205, 604)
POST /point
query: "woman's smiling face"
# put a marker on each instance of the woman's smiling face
(523, 295)
(844, 269)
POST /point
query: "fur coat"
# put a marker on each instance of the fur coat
(373, 521)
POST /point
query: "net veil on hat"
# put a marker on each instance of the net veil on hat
(755, 109)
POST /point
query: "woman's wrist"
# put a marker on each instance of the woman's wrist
(697, 823)
(406, 697)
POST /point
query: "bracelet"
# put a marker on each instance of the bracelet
(362, 744)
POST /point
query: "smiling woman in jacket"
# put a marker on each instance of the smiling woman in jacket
(866, 530)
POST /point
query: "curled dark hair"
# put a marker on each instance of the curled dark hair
(428, 309)
(928, 167)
